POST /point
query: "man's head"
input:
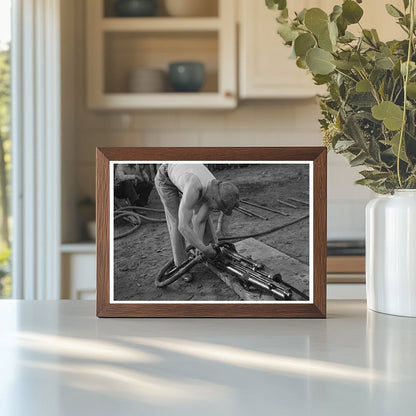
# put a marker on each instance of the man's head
(225, 196)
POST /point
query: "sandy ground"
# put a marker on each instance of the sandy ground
(139, 256)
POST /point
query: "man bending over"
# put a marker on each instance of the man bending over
(188, 218)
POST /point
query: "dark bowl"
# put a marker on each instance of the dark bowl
(186, 76)
(135, 8)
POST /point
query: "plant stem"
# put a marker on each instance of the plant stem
(406, 79)
(373, 88)
(346, 75)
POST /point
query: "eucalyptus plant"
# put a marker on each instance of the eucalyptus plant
(369, 111)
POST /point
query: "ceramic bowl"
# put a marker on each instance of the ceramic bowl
(135, 8)
(191, 8)
(147, 80)
(186, 76)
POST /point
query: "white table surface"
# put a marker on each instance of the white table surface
(57, 358)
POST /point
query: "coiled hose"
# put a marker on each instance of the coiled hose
(130, 212)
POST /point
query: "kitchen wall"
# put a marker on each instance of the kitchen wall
(253, 123)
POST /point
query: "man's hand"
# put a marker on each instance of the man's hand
(210, 252)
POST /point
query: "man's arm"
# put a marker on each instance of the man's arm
(190, 198)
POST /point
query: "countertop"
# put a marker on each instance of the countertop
(57, 358)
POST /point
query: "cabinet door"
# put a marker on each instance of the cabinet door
(78, 276)
(265, 68)
(266, 71)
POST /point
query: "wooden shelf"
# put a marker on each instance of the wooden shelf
(80, 247)
(160, 24)
(197, 100)
(346, 269)
(346, 264)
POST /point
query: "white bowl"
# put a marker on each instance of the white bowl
(191, 8)
(147, 80)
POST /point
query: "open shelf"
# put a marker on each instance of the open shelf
(116, 46)
(127, 51)
(160, 24)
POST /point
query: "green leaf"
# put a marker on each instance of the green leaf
(374, 150)
(388, 112)
(384, 62)
(319, 61)
(368, 36)
(333, 32)
(374, 174)
(344, 65)
(276, 4)
(336, 12)
(362, 99)
(301, 63)
(316, 20)
(347, 37)
(303, 43)
(394, 143)
(281, 19)
(358, 160)
(396, 70)
(382, 89)
(351, 11)
(358, 61)
(375, 35)
(363, 86)
(393, 11)
(353, 131)
(342, 25)
(321, 79)
(406, 4)
(412, 67)
(325, 42)
(287, 33)
(343, 145)
(411, 90)
(301, 15)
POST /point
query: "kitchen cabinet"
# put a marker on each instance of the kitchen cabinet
(78, 263)
(265, 70)
(118, 45)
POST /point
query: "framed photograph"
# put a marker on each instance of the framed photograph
(211, 232)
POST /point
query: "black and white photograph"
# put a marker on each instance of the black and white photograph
(211, 232)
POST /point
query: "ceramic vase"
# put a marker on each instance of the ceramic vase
(391, 253)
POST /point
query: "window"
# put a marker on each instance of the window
(5, 147)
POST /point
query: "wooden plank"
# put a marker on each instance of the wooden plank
(345, 278)
(346, 264)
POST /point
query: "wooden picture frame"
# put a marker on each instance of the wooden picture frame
(312, 158)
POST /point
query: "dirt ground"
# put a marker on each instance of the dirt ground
(139, 256)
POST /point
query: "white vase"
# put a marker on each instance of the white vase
(391, 253)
